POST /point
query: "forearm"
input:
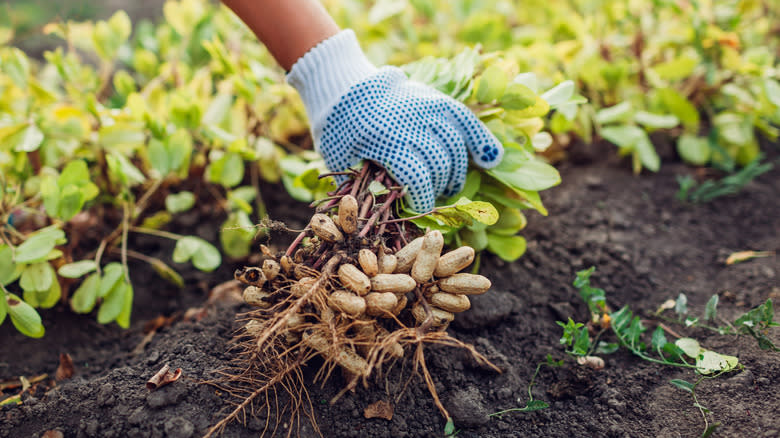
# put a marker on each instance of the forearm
(288, 28)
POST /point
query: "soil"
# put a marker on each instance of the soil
(647, 246)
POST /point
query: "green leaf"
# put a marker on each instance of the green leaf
(534, 405)
(9, 271)
(581, 343)
(71, 201)
(690, 346)
(617, 113)
(482, 212)
(123, 319)
(49, 298)
(518, 97)
(83, 300)
(77, 269)
(657, 121)
(559, 94)
(694, 150)
(124, 171)
(29, 140)
(113, 303)
(37, 277)
(711, 309)
(682, 384)
(376, 188)
(228, 170)
(680, 106)
(24, 317)
(678, 68)
(508, 248)
(681, 305)
(3, 310)
(658, 340)
(113, 273)
(203, 254)
(449, 428)
(772, 89)
(492, 84)
(166, 272)
(39, 245)
(510, 221)
(179, 202)
(236, 234)
(477, 239)
(518, 171)
(709, 362)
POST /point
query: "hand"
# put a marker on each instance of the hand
(415, 132)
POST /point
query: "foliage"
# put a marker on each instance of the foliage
(729, 185)
(123, 128)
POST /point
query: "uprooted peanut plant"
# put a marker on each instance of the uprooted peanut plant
(358, 287)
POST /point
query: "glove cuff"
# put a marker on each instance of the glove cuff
(326, 72)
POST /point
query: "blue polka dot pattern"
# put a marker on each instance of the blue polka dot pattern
(417, 133)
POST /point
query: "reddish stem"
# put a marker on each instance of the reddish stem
(388, 202)
(296, 242)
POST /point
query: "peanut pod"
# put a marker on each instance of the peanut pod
(250, 275)
(302, 286)
(441, 317)
(396, 283)
(254, 296)
(346, 357)
(354, 279)
(426, 260)
(347, 302)
(271, 269)
(387, 262)
(296, 322)
(325, 229)
(451, 302)
(407, 255)
(454, 261)
(381, 303)
(286, 263)
(402, 302)
(466, 284)
(253, 327)
(348, 214)
(368, 262)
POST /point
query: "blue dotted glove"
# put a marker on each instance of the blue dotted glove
(417, 133)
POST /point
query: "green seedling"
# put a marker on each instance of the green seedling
(710, 190)
(533, 404)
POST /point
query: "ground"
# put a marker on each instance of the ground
(646, 245)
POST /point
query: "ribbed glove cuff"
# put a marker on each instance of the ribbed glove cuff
(326, 72)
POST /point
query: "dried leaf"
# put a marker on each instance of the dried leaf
(380, 409)
(743, 256)
(163, 377)
(66, 369)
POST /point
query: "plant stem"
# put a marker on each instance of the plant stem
(125, 227)
(388, 203)
(153, 232)
(418, 216)
(296, 242)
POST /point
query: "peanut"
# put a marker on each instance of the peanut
(253, 327)
(254, 296)
(466, 284)
(402, 302)
(250, 275)
(325, 229)
(380, 303)
(441, 318)
(286, 263)
(354, 279)
(396, 283)
(346, 357)
(454, 261)
(302, 286)
(426, 260)
(387, 263)
(407, 255)
(347, 302)
(395, 349)
(271, 269)
(451, 302)
(368, 262)
(296, 322)
(348, 212)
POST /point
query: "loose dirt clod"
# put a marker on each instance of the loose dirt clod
(341, 295)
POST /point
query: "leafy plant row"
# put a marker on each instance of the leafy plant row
(122, 129)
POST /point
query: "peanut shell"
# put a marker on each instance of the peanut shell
(466, 284)
(254, 296)
(347, 302)
(354, 279)
(324, 227)
(380, 303)
(426, 260)
(368, 262)
(396, 283)
(451, 302)
(407, 255)
(348, 212)
(454, 261)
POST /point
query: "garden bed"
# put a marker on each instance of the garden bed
(646, 245)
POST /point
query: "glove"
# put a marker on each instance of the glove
(359, 112)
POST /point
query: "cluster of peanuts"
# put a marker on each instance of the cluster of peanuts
(372, 281)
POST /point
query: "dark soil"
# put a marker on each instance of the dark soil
(647, 247)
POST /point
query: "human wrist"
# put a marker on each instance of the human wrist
(327, 72)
